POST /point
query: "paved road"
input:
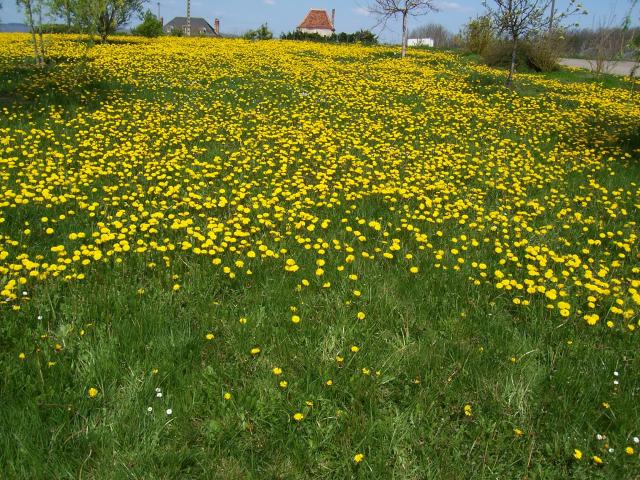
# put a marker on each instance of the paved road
(615, 68)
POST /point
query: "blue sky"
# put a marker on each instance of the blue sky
(237, 16)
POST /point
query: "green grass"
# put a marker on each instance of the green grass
(430, 343)
(457, 341)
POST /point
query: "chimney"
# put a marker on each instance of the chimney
(333, 19)
(216, 26)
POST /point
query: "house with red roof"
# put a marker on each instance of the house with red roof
(318, 21)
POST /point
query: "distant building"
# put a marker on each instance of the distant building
(318, 21)
(421, 42)
(199, 27)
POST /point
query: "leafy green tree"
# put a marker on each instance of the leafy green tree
(262, 33)
(104, 17)
(150, 27)
(65, 9)
(115, 13)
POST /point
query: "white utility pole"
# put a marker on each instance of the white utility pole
(188, 18)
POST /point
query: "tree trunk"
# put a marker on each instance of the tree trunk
(404, 33)
(42, 52)
(104, 27)
(29, 12)
(512, 68)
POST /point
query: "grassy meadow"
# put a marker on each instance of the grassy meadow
(236, 260)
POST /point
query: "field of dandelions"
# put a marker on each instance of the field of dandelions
(224, 259)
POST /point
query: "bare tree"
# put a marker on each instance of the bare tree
(388, 9)
(518, 18)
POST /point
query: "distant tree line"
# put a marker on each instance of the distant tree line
(442, 38)
(362, 36)
(590, 42)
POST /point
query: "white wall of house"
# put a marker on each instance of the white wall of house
(319, 31)
(420, 42)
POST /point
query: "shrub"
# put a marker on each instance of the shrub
(150, 26)
(478, 35)
(544, 51)
(498, 54)
(540, 53)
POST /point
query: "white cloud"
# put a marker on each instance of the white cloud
(270, 2)
(447, 6)
(361, 11)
